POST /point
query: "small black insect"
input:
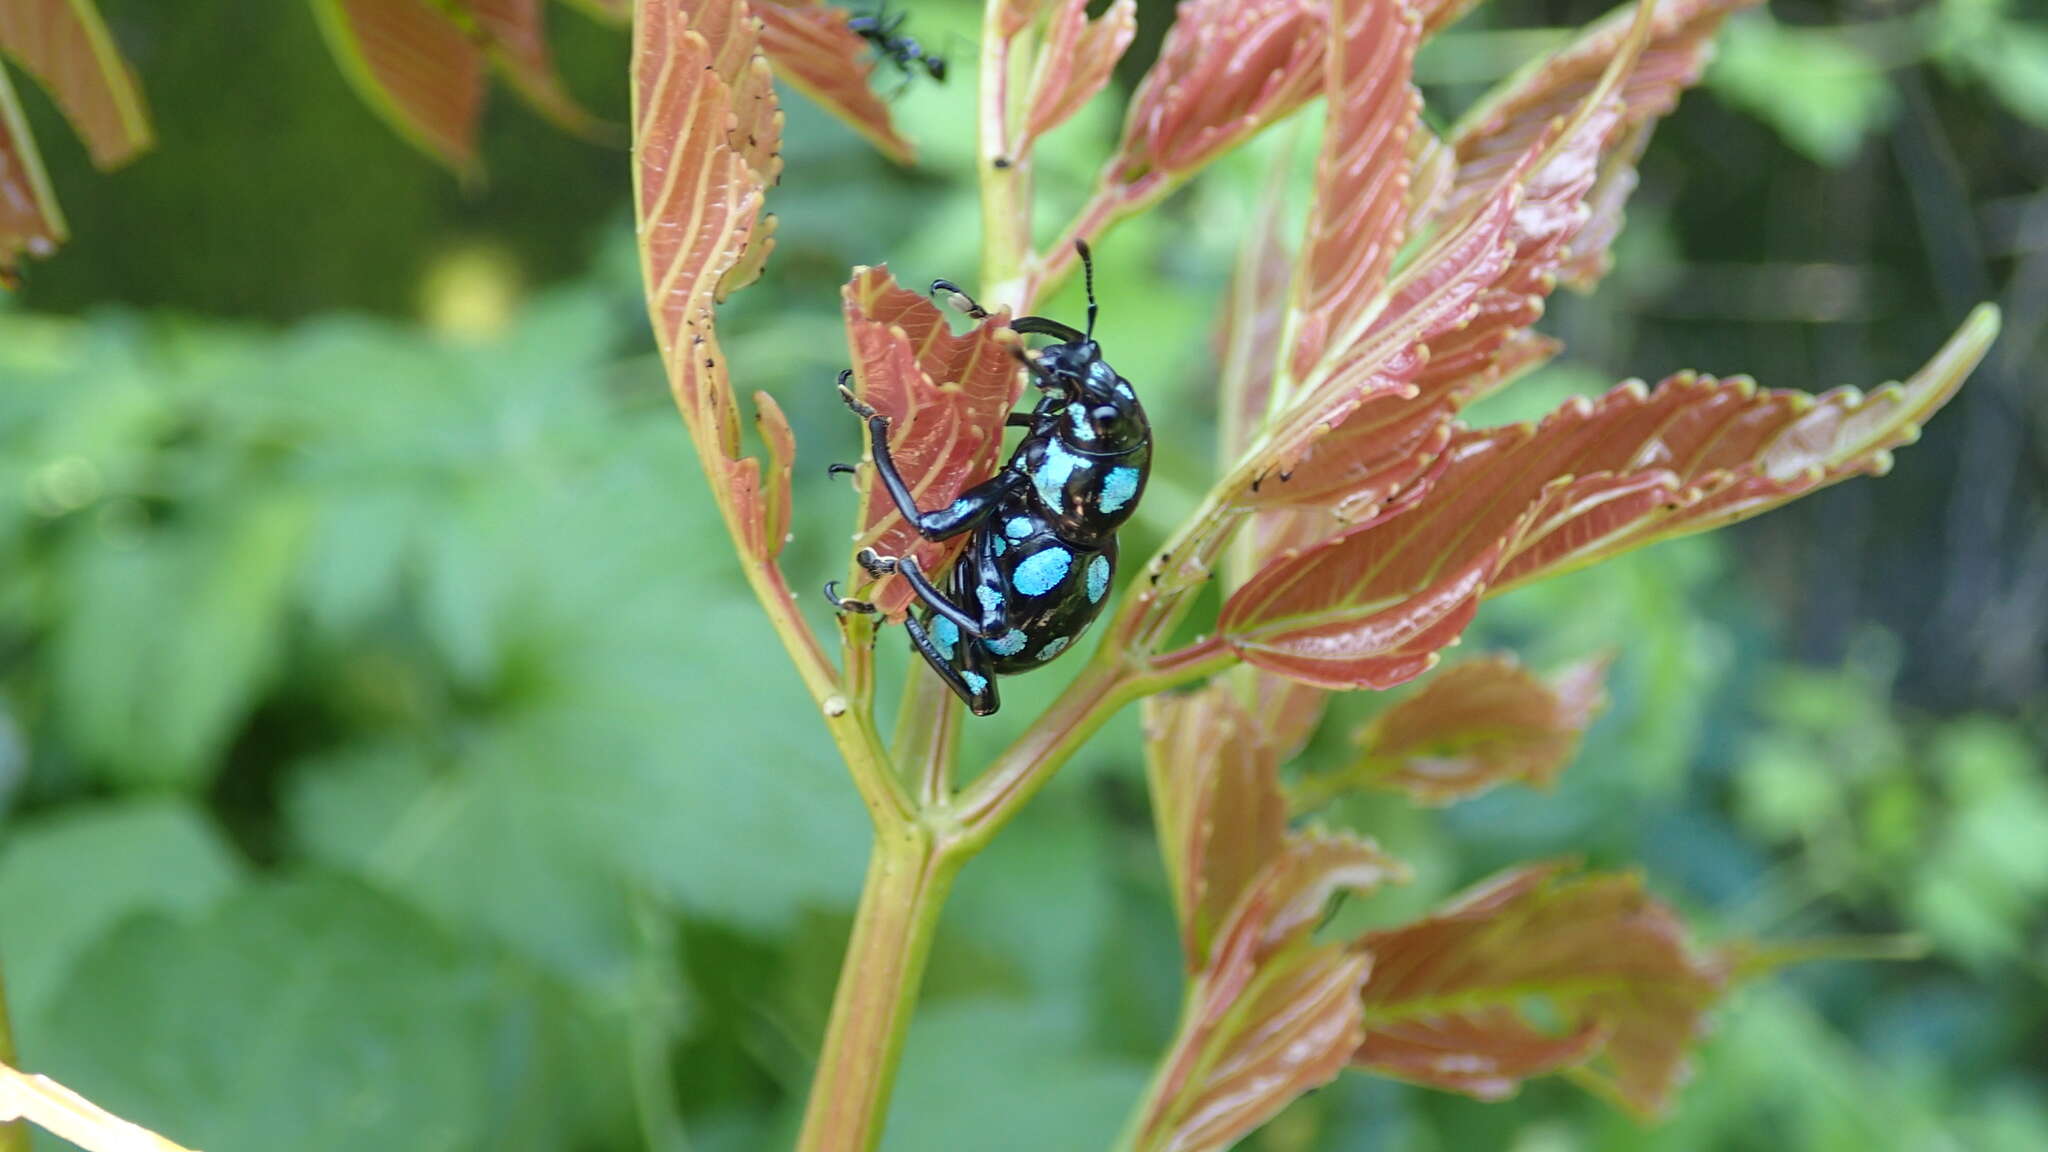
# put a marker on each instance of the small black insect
(879, 29)
(1037, 570)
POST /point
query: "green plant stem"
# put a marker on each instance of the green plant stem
(909, 875)
(13, 1137)
(852, 729)
(927, 725)
(1005, 176)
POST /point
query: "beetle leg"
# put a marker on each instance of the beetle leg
(846, 603)
(1040, 326)
(972, 507)
(907, 567)
(973, 310)
(970, 680)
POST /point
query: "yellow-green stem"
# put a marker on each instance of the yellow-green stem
(909, 874)
(13, 1137)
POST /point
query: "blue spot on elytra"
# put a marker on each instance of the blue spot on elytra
(1001, 545)
(1018, 528)
(1098, 579)
(989, 597)
(1054, 647)
(976, 682)
(1050, 478)
(945, 636)
(1118, 487)
(1008, 644)
(1042, 571)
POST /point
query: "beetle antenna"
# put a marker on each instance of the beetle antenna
(1088, 278)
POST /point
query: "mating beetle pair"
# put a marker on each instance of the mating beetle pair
(1038, 567)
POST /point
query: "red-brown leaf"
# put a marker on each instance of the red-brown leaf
(1288, 712)
(705, 133)
(1478, 725)
(1454, 309)
(1075, 63)
(1272, 1016)
(1440, 14)
(30, 221)
(1370, 607)
(1221, 816)
(1227, 69)
(775, 496)
(65, 45)
(1444, 1000)
(515, 32)
(812, 49)
(1489, 138)
(416, 67)
(1484, 1052)
(1297, 1034)
(1249, 331)
(1357, 219)
(946, 397)
(1699, 453)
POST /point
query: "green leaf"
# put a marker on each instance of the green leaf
(1821, 92)
(166, 644)
(65, 879)
(317, 1015)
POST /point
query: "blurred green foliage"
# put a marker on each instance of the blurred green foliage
(390, 756)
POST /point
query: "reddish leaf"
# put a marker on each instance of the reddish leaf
(1288, 712)
(1356, 222)
(515, 32)
(1370, 607)
(30, 221)
(1445, 999)
(65, 45)
(1436, 294)
(1227, 69)
(1477, 725)
(775, 496)
(1499, 129)
(1013, 16)
(705, 133)
(946, 397)
(1453, 310)
(1221, 817)
(815, 52)
(1075, 63)
(1440, 14)
(1248, 333)
(1432, 167)
(1699, 453)
(416, 67)
(1270, 1015)
(1484, 1052)
(1373, 619)
(1297, 1032)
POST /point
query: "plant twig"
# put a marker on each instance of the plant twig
(13, 1137)
(908, 878)
(49, 1105)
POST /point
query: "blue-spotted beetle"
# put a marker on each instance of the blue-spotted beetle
(1038, 567)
